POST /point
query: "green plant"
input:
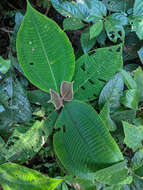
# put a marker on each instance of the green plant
(90, 142)
(71, 120)
(101, 19)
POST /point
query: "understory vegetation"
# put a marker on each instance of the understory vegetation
(71, 95)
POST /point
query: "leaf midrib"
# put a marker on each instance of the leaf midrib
(46, 56)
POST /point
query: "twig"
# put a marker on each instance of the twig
(6, 30)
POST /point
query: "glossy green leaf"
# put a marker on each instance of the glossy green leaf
(72, 23)
(96, 29)
(133, 136)
(131, 99)
(112, 92)
(15, 177)
(138, 77)
(4, 65)
(140, 53)
(118, 6)
(46, 53)
(86, 10)
(92, 71)
(114, 28)
(86, 42)
(129, 81)
(25, 142)
(120, 18)
(116, 174)
(82, 143)
(105, 116)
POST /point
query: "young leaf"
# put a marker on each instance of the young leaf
(67, 91)
(56, 99)
(46, 52)
(133, 136)
(4, 65)
(15, 177)
(96, 29)
(92, 71)
(72, 23)
(82, 143)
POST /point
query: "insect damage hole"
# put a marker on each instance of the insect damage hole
(64, 128)
(31, 63)
(91, 81)
(83, 66)
(120, 33)
(112, 35)
(118, 49)
(82, 87)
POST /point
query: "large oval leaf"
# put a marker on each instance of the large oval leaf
(92, 71)
(82, 143)
(44, 51)
(15, 177)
